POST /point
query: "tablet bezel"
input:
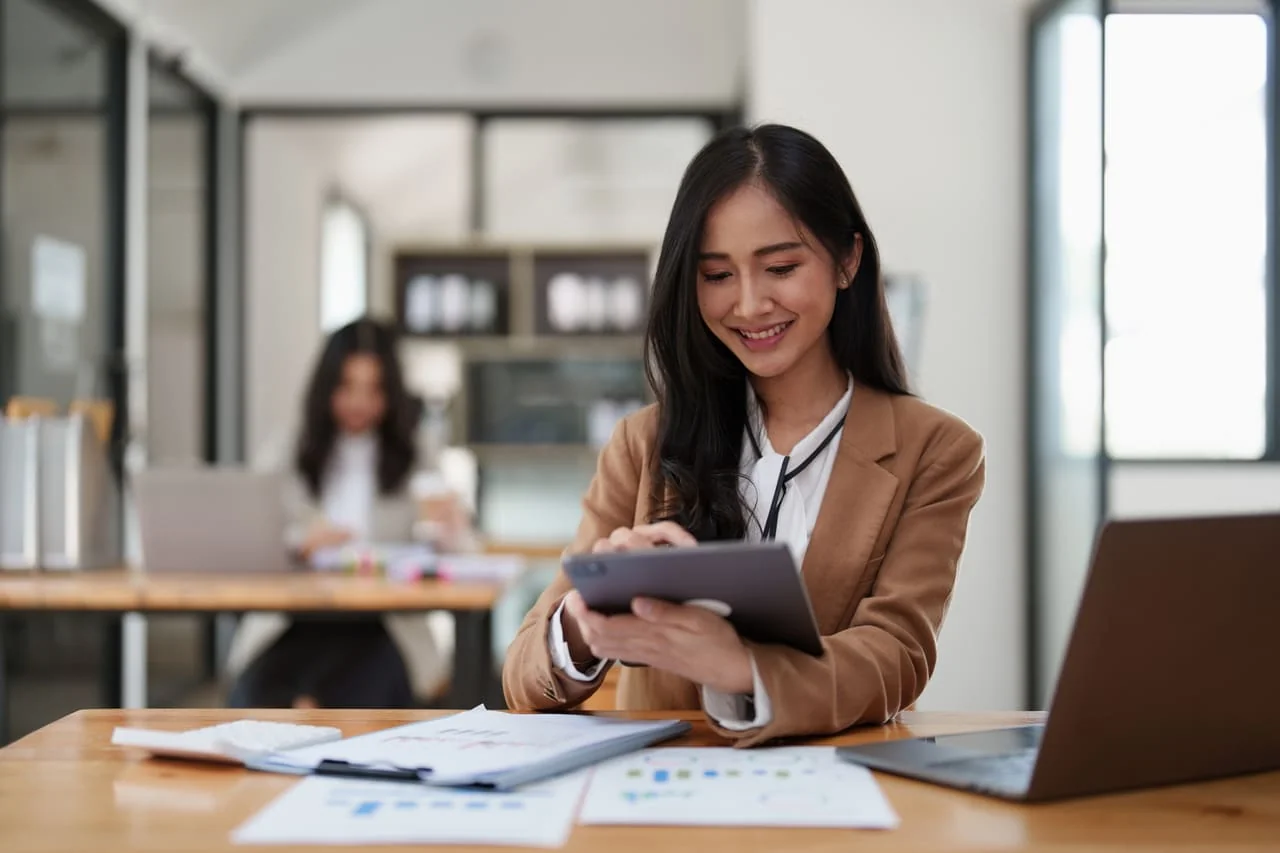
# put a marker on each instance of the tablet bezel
(759, 581)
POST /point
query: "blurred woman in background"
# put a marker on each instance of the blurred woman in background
(351, 481)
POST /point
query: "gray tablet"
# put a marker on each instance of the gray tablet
(755, 586)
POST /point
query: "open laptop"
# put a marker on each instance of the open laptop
(211, 520)
(1172, 673)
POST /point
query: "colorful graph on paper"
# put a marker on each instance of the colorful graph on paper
(328, 810)
(785, 786)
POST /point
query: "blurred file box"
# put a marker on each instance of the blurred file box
(59, 500)
(79, 496)
(19, 493)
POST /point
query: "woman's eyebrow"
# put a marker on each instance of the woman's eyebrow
(761, 252)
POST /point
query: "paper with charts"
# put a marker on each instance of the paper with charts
(330, 810)
(722, 786)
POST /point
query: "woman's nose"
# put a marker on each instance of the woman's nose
(754, 298)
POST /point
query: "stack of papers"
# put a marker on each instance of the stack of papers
(497, 778)
(482, 748)
(479, 568)
(397, 561)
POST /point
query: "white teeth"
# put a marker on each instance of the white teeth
(767, 333)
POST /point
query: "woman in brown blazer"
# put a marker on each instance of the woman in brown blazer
(783, 413)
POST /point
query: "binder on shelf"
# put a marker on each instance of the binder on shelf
(590, 292)
(452, 294)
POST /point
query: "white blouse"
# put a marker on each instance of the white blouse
(797, 503)
(350, 484)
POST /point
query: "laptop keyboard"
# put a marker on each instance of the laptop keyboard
(1008, 773)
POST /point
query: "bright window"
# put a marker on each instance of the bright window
(1186, 226)
(344, 266)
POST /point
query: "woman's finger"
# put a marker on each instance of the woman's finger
(603, 546)
(666, 533)
(626, 539)
(590, 624)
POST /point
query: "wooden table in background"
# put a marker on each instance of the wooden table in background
(65, 788)
(116, 592)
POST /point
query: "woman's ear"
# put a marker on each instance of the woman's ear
(850, 267)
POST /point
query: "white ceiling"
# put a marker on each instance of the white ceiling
(234, 35)
(467, 52)
(473, 52)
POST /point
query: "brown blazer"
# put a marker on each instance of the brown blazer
(879, 571)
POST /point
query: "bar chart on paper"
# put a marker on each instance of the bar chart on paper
(327, 810)
(784, 786)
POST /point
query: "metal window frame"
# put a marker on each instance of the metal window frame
(1034, 678)
(206, 107)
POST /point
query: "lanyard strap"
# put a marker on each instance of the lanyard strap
(770, 529)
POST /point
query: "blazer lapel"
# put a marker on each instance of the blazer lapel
(857, 500)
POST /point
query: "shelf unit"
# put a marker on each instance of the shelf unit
(522, 277)
(524, 334)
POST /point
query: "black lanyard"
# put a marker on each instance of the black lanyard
(770, 529)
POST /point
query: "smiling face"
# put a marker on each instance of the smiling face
(359, 403)
(766, 287)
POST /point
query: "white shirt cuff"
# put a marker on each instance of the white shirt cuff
(560, 655)
(738, 712)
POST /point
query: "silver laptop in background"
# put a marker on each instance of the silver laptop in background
(211, 520)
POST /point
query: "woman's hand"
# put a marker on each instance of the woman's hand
(445, 521)
(322, 535)
(645, 536)
(688, 641)
(622, 539)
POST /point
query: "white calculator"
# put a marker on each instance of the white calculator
(228, 743)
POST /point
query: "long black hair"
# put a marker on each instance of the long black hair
(396, 446)
(701, 385)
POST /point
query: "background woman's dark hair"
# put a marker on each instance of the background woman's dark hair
(701, 385)
(396, 445)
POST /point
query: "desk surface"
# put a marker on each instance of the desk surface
(118, 590)
(66, 788)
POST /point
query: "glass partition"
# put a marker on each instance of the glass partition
(1066, 465)
(179, 219)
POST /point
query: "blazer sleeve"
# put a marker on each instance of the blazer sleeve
(880, 664)
(530, 681)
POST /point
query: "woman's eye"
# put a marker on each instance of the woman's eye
(783, 269)
(715, 276)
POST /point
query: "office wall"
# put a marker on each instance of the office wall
(1143, 489)
(407, 174)
(922, 102)
(284, 189)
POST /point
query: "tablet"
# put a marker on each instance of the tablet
(755, 586)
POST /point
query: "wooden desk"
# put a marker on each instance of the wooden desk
(116, 592)
(65, 788)
(119, 591)
(540, 551)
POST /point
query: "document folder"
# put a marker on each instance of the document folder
(477, 748)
